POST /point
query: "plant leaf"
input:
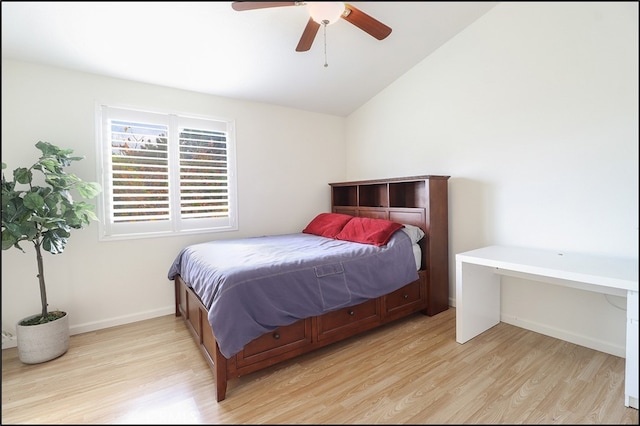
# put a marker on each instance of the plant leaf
(89, 189)
(33, 201)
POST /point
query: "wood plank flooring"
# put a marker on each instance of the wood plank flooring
(410, 371)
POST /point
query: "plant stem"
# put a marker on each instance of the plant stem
(43, 289)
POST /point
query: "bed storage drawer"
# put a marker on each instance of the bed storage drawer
(403, 301)
(337, 324)
(283, 339)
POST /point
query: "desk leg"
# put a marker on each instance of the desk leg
(631, 361)
(477, 300)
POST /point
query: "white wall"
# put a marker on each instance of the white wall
(533, 112)
(285, 159)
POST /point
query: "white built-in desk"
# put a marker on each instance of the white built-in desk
(478, 275)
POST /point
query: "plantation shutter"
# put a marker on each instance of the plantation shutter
(204, 184)
(165, 173)
(140, 171)
(205, 181)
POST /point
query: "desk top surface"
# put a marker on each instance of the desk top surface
(608, 271)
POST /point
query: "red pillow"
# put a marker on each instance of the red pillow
(368, 231)
(327, 224)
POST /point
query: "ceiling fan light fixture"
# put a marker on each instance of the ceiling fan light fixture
(325, 12)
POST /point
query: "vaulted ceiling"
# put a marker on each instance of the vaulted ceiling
(209, 47)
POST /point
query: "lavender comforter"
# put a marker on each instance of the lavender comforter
(251, 286)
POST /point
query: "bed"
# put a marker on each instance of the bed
(251, 303)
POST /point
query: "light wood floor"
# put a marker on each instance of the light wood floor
(410, 371)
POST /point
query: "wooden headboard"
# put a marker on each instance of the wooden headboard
(416, 200)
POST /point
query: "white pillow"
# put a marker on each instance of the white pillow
(414, 232)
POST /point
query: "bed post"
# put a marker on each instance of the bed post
(176, 286)
(220, 363)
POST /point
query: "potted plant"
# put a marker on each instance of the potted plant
(39, 208)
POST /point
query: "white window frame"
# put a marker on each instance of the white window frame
(175, 225)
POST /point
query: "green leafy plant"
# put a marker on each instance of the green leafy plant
(44, 212)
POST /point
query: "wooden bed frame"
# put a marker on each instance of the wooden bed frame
(419, 200)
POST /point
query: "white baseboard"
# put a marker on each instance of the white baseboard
(582, 340)
(578, 339)
(10, 342)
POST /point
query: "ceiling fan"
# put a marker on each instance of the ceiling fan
(322, 13)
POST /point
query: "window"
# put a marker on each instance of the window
(165, 174)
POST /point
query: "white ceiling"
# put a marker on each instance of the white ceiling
(210, 48)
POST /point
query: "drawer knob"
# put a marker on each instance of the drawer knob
(276, 336)
(406, 296)
(352, 313)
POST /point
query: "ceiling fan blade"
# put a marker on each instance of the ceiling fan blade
(308, 35)
(251, 5)
(365, 22)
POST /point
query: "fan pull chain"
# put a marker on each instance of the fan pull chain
(324, 24)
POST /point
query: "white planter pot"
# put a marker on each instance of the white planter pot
(42, 342)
